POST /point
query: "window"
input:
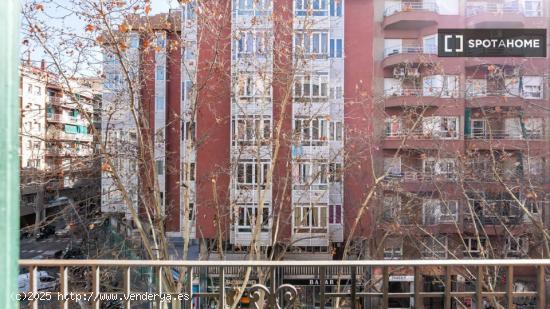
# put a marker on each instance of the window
(311, 43)
(113, 81)
(160, 72)
(533, 166)
(189, 50)
(249, 43)
(159, 103)
(188, 171)
(533, 206)
(253, 7)
(335, 172)
(476, 88)
(335, 214)
(188, 130)
(479, 128)
(434, 167)
(312, 87)
(336, 92)
(532, 87)
(438, 211)
(249, 130)
(393, 87)
(250, 173)
(160, 167)
(310, 218)
(189, 11)
(533, 128)
(440, 127)
(191, 214)
(160, 40)
(517, 246)
(311, 7)
(392, 127)
(434, 247)
(249, 86)
(133, 40)
(246, 219)
(474, 247)
(336, 47)
(311, 132)
(336, 8)
(533, 8)
(391, 207)
(392, 166)
(29, 88)
(312, 175)
(335, 131)
(393, 251)
(444, 86)
(430, 44)
(187, 92)
(37, 90)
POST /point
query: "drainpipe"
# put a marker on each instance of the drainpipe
(9, 151)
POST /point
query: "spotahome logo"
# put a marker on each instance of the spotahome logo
(492, 43)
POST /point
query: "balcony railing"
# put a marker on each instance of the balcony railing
(500, 8)
(64, 118)
(54, 100)
(412, 7)
(420, 134)
(399, 50)
(208, 283)
(403, 92)
(504, 134)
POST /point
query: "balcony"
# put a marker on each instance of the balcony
(54, 100)
(63, 136)
(149, 281)
(409, 55)
(62, 118)
(411, 15)
(425, 136)
(413, 97)
(68, 152)
(506, 139)
(503, 15)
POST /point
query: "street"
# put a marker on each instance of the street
(31, 249)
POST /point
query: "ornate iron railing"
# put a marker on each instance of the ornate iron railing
(351, 284)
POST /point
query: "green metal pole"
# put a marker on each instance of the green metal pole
(9, 151)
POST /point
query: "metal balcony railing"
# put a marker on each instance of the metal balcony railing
(403, 92)
(422, 134)
(411, 7)
(504, 134)
(411, 49)
(501, 8)
(351, 283)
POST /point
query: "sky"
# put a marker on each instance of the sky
(74, 25)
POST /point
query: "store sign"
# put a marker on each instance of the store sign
(401, 278)
(525, 43)
(314, 282)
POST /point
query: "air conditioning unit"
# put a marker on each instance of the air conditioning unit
(398, 72)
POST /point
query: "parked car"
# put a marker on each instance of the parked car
(73, 253)
(44, 282)
(60, 201)
(45, 232)
(64, 232)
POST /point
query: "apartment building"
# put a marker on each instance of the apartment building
(299, 125)
(464, 140)
(57, 149)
